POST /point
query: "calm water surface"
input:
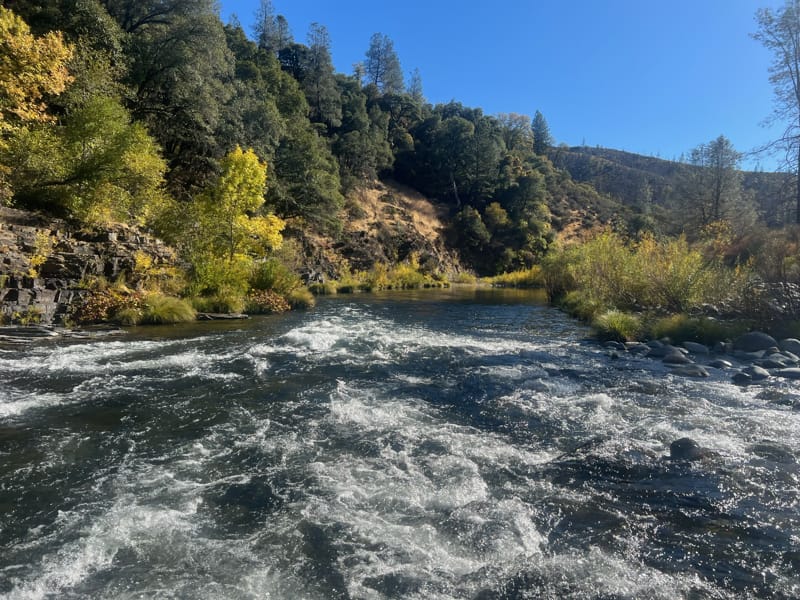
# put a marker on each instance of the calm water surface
(456, 444)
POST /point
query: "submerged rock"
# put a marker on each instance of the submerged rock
(687, 449)
(774, 451)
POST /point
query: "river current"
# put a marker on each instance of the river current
(461, 444)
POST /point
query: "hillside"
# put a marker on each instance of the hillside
(634, 179)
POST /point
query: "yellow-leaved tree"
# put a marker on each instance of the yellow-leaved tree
(230, 232)
(30, 68)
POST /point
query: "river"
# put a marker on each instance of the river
(436, 444)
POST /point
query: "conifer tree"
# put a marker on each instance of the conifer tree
(542, 140)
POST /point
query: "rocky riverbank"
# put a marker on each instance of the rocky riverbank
(751, 358)
(47, 264)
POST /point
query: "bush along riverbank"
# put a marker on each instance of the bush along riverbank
(679, 303)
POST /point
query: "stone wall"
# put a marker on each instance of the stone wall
(45, 263)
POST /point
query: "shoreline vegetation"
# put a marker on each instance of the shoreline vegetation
(660, 289)
(267, 178)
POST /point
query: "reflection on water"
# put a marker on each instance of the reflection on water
(431, 444)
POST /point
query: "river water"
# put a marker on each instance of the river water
(443, 444)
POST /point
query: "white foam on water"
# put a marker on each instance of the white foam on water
(340, 339)
(392, 503)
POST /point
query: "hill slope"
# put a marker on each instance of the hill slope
(633, 179)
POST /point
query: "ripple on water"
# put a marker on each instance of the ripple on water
(359, 452)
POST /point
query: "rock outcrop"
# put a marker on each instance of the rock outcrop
(46, 263)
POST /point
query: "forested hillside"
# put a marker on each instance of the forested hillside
(151, 96)
(250, 155)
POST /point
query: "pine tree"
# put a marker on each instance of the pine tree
(542, 140)
(382, 66)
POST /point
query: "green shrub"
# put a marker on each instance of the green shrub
(155, 309)
(230, 303)
(683, 328)
(617, 325)
(323, 289)
(273, 275)
(301, 298)
(581, 306)
(650, 274)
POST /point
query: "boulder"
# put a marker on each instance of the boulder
(687, 449)
(789, 373)
(663, 350)
(791, 357)
(696, 348)
(749, 356)
(774, 361)
(774, 451)
(677, 358)
(691, 371)
(742, 379)
(754, 341)
(720, 364)
(790, 345)
(756, 373)
(637, 347)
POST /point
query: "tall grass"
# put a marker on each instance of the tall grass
(524, 278)
(404, 276)
(156, 309)
(667, 276)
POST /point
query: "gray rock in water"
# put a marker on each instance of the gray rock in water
(789, 373)
(773, 361)
(791, 357)
(677, 358)
(790, 345)
(742, 379)
(664, 350)
(749, 356)
(754, 341)
(723, 347)
(637, 347)
(612, 345)
(774, 451)
(687, 449)
(691, 371)
(720, 364)
(696, 348)
(756, 373)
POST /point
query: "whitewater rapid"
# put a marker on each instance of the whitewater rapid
(461, 444)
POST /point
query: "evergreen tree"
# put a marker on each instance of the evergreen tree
(542, 140)
(415, 87)
(271, 31)
(323, 96)
(382, 67)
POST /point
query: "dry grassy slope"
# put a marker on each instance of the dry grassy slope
(386, 222)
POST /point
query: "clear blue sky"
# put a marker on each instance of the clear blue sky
(645, 76)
